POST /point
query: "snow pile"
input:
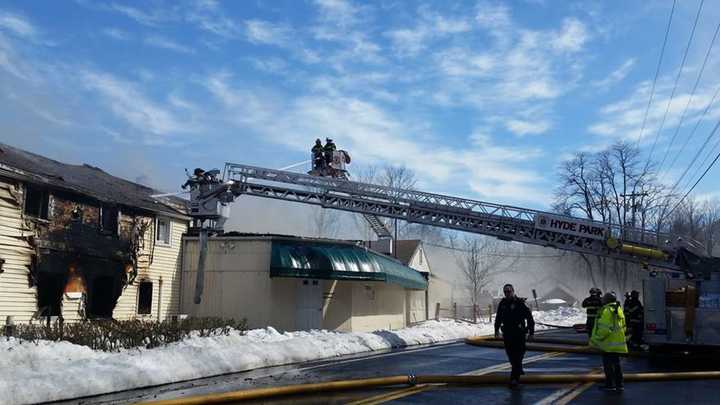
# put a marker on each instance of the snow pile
(52, 371)
(563, 316)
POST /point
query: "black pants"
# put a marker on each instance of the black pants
(613, 371)
(589, 326)
(636, 331)
(515, 349)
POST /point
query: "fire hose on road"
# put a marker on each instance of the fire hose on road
(411, 380)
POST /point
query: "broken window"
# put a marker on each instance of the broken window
(36, 202)
(50, 288)
(145, 297)
(163, 231)
(102, 297)
(109, 219)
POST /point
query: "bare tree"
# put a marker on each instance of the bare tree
(481, 259)
(615, 187)
(325, 222)
(711, 225)
(398, 177)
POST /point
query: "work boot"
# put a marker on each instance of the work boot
(607, 388)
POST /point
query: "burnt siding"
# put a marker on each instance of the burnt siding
(20, 235)
(16, 298)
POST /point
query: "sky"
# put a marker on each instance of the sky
(481, 99)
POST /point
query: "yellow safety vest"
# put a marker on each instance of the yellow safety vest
(608, 333)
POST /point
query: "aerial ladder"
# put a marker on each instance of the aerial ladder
(211, 195)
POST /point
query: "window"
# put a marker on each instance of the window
(145, 298)
(109, 220)
(163, 231)
(36, 202)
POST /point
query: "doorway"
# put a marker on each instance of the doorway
(309, 305)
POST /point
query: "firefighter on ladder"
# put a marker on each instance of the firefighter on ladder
(329, 148)
(318, 155)
(592, 304)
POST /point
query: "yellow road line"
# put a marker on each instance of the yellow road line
(565, 395)
(405, 392)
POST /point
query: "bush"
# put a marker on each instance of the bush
(112, 335)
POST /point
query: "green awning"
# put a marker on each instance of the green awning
(338, 261)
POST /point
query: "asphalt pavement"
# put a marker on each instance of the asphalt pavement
(449, 359)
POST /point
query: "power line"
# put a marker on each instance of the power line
(682, 117)
(657, 73)
(707, 157)
(677, 80)
(701, 149)
(699, 179)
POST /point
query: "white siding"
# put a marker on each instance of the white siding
(16, 299)
(159, 264)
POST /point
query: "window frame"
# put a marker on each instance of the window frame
(44, 202)
(159, 241)
(101, 222)
(139, 298)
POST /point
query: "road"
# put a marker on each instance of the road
(452, 358)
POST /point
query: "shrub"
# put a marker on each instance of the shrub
(112, 335)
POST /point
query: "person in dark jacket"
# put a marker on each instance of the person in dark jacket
(515, 320)
(318, 155)
(635, 315)
(329, 148)
(592, 304)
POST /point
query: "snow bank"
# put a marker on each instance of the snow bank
(51, 371)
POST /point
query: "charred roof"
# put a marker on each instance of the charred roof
(85, 180)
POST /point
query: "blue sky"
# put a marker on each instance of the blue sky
(481, 98)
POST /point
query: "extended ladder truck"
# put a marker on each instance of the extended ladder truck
(682, 296)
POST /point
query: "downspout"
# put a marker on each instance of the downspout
(160, 283)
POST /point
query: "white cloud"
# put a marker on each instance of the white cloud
(520, 127)
(243, 106)
(572, 37)
(17, 25)
(617, 75)
(353, 123)
(269, 65)
(127, 102)
(430, 26)
(340, 12)
(265, 32)
(624, 119)
(165, 43)
(117, 33)
(140, 16)
(409, 41)
(13, 64)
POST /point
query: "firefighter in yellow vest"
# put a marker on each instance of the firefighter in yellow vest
(608, 335)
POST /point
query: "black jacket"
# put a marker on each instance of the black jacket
(514, 317)
(593, 304)
(633, 310)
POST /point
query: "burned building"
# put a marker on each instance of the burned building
(79, 243)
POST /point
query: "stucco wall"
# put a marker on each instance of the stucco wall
(377, 306)
(337, 305)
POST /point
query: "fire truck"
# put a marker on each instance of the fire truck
(681, 294)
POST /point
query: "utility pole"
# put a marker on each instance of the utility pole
(633, 205)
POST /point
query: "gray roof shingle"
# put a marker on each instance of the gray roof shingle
(87, 180)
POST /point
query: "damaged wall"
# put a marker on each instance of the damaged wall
(16, 299)
(87, 266)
